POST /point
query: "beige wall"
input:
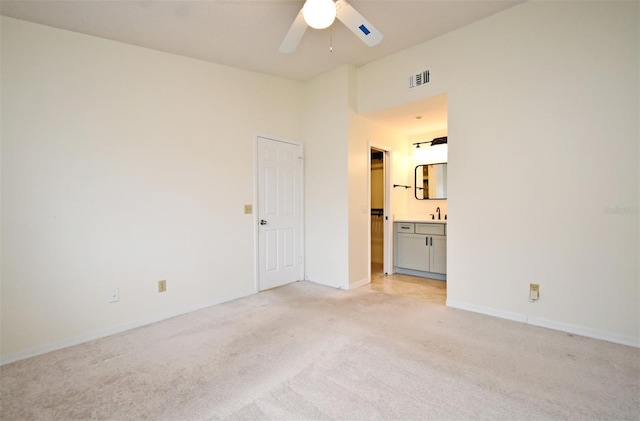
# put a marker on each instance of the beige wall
(543, 143)
(326, 190)
(337, 157)
(362, 134)
(122, 166)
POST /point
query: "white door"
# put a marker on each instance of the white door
(279, 169)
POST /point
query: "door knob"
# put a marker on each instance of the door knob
(263, 222)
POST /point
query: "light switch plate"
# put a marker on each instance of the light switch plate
(248, 209)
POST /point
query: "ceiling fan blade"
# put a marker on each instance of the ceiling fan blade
(357, 24)
(293, 37)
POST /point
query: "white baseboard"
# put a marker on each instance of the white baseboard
(77, 340)
(585, 331)
(359, 283)
(330, 284)
(516, 317)
(550, 324)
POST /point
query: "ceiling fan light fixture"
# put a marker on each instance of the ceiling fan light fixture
(319, 14)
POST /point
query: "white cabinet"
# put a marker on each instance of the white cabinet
(421, 249)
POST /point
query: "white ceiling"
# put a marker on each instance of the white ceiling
(247, 34)
(423, 116)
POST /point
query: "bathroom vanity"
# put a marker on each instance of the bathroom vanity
(421, 248)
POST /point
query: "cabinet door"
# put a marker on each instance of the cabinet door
(438, 254)
(412, 252)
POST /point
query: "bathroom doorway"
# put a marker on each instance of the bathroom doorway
(381, 241)
(416, 121)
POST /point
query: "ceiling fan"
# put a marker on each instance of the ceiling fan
(320, 14)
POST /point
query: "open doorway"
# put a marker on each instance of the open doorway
(417, 122)
(381, 240)
(381, 275)
(377, 184)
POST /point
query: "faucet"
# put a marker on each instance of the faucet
(438, 210)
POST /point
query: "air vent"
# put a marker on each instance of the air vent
(419, 79)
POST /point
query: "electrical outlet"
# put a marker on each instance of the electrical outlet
(114, 296)
(248, 209)
(162, 286)
(534, 292)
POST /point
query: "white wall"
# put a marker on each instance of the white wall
(122, 166)
(326, 189)
(337, 155)
(544, 136)
(362, 134)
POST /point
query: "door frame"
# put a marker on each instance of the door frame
(256, 206)
(387, 247)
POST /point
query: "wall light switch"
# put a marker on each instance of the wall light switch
(248, 209)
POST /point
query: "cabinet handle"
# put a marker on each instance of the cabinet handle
(431, 240)
(426, 241)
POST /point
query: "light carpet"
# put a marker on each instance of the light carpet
(305, 351)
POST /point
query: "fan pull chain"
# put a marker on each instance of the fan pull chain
(331, 39)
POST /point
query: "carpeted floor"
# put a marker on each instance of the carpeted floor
(305, 351)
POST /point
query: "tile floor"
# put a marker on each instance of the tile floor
(413, 287)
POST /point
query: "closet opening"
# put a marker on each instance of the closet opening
(378, 215)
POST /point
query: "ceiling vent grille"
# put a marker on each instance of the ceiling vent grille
(419, 79)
